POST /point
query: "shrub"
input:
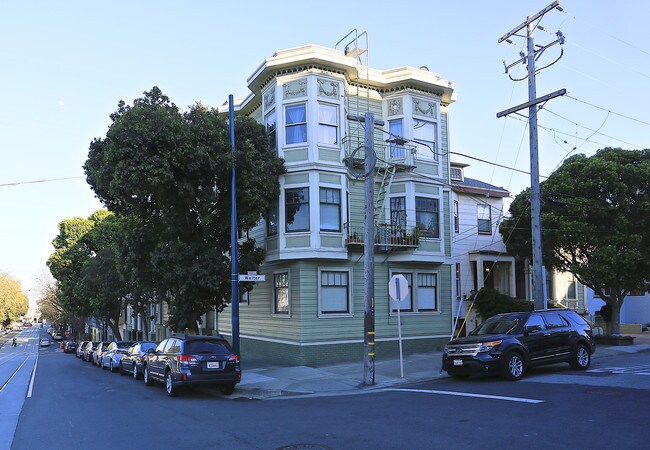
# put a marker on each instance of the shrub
(489, 302)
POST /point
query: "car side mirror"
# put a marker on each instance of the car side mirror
(532, 329)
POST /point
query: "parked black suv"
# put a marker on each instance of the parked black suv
(510, 343)
(181, 361)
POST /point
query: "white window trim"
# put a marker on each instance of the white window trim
(336, 145)
(284, 124)
(321, 314)
(414, 290)
(273, 313)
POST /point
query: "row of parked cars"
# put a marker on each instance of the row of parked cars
(177, 361)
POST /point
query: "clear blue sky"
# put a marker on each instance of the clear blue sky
(66, 64)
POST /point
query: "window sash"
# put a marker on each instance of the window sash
(456, 217)
(427, 216)
(427, 292)
(571, 289)
(296, 209)
(484, 220)
(271, 134)
(330, 209)
(335, 293)
(424, 133)
(406, 304)
(327, 124)
(396, 130)
(398, 212)
(296, 123)
(272, 221)
(281, 293)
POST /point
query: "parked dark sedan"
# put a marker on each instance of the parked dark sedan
(190, 360)
(69, 347)
(508, 344)
(133, 360)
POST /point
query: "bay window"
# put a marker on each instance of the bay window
(296, 123)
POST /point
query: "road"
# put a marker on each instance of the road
(77, 405)
(16, 368)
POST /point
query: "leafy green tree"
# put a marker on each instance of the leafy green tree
(595, 223)
(172, 172)
(13, 301)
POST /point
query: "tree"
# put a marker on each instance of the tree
(171, 171)
(595, 223)
(13, 301)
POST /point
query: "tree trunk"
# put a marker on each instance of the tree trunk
(115, 329)
(615, 323)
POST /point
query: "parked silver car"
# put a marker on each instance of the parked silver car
(110, 359)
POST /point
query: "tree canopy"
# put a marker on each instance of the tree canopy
(169, 172)
(13, 301)
(595, 215)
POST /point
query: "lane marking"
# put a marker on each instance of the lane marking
(31, 382)
(14, 374)
(468, 394)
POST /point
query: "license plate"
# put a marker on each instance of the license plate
(458, 362)
(213, 364)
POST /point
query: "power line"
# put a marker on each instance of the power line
(608, 110)
(16, 183)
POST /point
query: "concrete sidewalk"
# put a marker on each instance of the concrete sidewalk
(264, 381)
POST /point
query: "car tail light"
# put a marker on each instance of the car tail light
(142, 359)
(186, 359)
(233, 358)
(118, 352)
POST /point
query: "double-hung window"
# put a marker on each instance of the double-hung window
(427, 216)
(330, 209)
(424, 135)
(396, 131)
(484, 219)
(398, 212)
(407, 302)
(296, 202)
(427, 292)
(271, 121)
(571, 289)
(328, 119)
(296, 123)
(334, 292)
(281, 293)
(456, 217)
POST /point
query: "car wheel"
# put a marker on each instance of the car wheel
(136, 375)
(228, 389)
(147, 378)
(581, 359)
(121, 369)
(170, 386)
(513, 366)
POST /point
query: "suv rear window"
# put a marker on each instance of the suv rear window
(212, 346)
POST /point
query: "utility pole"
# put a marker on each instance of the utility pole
(233, 233)
(533, 101)
(369, 254)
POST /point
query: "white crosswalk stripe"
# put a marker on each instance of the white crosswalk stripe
(636, 370)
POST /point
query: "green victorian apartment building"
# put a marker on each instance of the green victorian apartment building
(310, 309)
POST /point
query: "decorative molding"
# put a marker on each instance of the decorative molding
(323, 91)
(395, 106)
(269, 98)
(297, 88)
(429, 109)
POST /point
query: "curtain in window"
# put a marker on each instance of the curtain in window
(398, 212)
(334, 292)
(425, 135)
(330, 209)
(296, 129)
(327, 124)
(484, 219)
(427, 217)
(281, 281)
(396, 131)
(426, 291)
